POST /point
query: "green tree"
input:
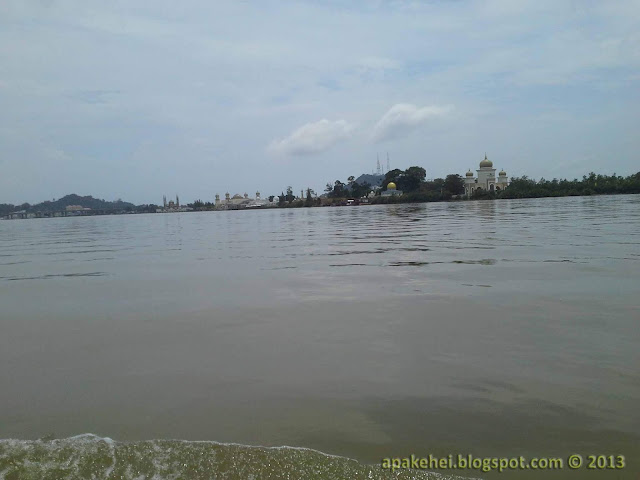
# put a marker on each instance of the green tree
(328, 189)
(360, 190)
(310, 200)
(289, 197)
(391, 176)
(454, 184)
(409, 180)
(339, 190)
(6, 208)
(433, 186)
(412, 178)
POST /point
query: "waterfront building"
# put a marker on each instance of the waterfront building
(391, 191)
(171, 206)
(242, 201)
(76, 208)
(486, 179)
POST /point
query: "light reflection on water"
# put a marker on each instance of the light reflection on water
(365, 331)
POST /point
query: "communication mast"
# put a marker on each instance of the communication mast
(388, 165)
(378, 165)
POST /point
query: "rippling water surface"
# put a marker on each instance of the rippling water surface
(496, 328)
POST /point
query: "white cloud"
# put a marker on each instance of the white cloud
(313, 138)
(404, 117)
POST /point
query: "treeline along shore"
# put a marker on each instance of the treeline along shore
(416, 188)
(412, 182)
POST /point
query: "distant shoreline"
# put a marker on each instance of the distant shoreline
(414, 190)
(300, 204)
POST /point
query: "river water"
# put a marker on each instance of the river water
(496, 328)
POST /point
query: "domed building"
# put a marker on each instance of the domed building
(486, 179)
(170, 206)
(242, 201)
(391, 190)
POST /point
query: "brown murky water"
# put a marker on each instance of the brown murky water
(499, 328)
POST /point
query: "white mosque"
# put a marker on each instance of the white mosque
(238, 201)
(486, 179)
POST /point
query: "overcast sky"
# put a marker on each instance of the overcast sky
(138, 99)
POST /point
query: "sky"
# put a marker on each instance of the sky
(139, 99)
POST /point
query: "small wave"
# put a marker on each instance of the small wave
(410, 264)
(348, 264)
(485, 261)
(89, 456)
(45, 277)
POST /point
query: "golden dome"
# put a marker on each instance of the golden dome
(486, 162)
(391, 186)
(469, 174)
(502, 173)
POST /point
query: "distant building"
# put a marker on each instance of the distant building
(238, 202)
(76, 208)
(391, 191)
(486, 179)
(15, 215)
(171, 206)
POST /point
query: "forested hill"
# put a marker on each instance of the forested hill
(73, 199)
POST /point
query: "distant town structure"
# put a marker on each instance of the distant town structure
(486, 179)
(76, 208)
(238, 202)
(171, 206)
(391, 191)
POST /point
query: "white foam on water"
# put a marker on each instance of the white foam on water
(170, 459)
